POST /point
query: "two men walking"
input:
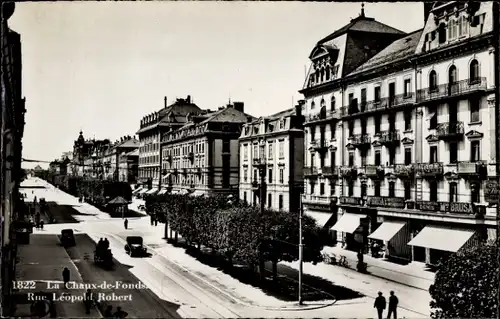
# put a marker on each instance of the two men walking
(380, 305)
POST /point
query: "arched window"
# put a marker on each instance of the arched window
(312, 105)
(323, 103)
(452, 75)
(328, 73)
(442, 33)
(433, 80)
(332, 103)
(474, 71)
(317, 76)
(322, 75)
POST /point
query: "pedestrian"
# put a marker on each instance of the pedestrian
(106, 243)
(66, 275)
(88, 301)
(152, 219)
(393, 305)
(108, 313)
(380, 304)
(125, 223)
(156, 221)
(119, 313)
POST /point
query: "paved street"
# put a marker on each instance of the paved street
(199, 290)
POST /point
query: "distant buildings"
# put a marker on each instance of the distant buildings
(275, 144)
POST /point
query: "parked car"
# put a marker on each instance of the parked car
(135, 247)
(67, 238)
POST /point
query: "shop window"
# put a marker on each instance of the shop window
(407, 187)
(474, 192)
(392, 189)
(322, 188)
(376, 186)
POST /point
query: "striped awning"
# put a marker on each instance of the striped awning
(348, 223)
(142, 191)
(442, 238)
(152, 191)
(137, 190)
(162, 191)
(320, 218)
(387, 230)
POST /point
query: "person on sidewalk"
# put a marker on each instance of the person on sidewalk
(152, 219)
(41, 224)
(120, 314)
(66, 276)
(156, 221)
(380, 304)
(393, 306)
(108, 313)
(106, 243)
(88, 301)
(125, 223)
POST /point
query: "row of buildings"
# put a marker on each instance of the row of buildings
(12, 130)
(394, 141)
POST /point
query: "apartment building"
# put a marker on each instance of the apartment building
(152, 126)
(274, 144)
(201, 157)
(128, 166)
(417, 140)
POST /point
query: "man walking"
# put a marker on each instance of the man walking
(380, 304)
(65, 275)
(393, 305)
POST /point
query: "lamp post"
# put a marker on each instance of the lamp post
(301, 244)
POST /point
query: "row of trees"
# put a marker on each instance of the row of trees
(236, 230)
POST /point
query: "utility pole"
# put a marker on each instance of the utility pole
(301, 249)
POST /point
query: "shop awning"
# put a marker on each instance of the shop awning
(166, 175)
(142, 191)
(441, 238)
(162, 191)
(197, 193)
(348, 223)
(387, 230)
(137, 190)
(151, 191)
(321, 218)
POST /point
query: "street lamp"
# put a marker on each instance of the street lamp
(301, 244)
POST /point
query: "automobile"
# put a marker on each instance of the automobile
(67, 238)
(135, 247)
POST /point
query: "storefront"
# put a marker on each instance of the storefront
(325, 216)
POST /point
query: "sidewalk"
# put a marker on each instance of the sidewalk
(409, 275)
(42, 262)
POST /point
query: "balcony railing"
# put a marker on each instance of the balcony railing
(450, 130)
(429, 169)
(451, 89)
(348, 172)
(329, 171)
(389, 137)
(310, 171)
(259, 161)
(360, 139)
(375, 105)
(471, 168)
(373, 170)
(325, 115)
(403, 170)
(319, 145)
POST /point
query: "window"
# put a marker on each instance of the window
(378, 159)
(312, 105)
(433, 191)
(269, 200)
(350, 98)
(432, 117)
(351, 159)
(270, 151)
(280, 202)
(407, 115)
(474, 71)
(255, 151)
(281, 149)
(270, 176)
(453, 192)
(312, 188)
(364, 190)
(332, 187)
(351, 128)
(332, 103)
(474, 151)
(322, 188)
(442, 33)
(452, 29)
(363, 99)
(363, 157)
(407, 88)
(474, 193)
(433, 80)
(282, 173)
(433, 154)
(245, 152)
(452, 75)
(376, 94)
(350, 187)
(376, 186)
(245, 175)
(312, 160)
(392, 155)
(392, 189)
(408, 157)
(245, 197)
(255, 175)
(377, 120)
(453, 152)
(333, 155)
(474, 106)
(407, 187)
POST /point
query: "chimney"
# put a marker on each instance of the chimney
(165, 101)
(298, 107)
(239, 106)
(188, 99)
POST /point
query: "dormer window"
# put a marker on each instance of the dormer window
(322, 75)
(327, 73)
(282, 124)
(442, 33)
(452, 29)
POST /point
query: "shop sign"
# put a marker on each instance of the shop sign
(429, 169)
(491, 192)
(351, 200)
(448, 207)
(320, 207)
(390, 202)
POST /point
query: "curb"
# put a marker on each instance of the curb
(237, 300)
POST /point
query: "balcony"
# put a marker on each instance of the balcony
(322, 116)
(328, 171)
(348, 172)
(259, 162)
(429, 169)
(168, 158)
(191, 156)
(377, 105)
(404, 171)
(391, 137)
(319, 145)
(318, 199)
(373, 171)
(255, 185)
(310, 171)
(446, 90)
(184, 171)
(360, 140)
(450, 130)
(472, 169)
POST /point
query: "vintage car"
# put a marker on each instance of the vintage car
(67, 238)
(135, 247)
(103, 257)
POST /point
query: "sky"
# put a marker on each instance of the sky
(101, 66)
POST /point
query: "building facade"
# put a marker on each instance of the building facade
(12, 129)
(128, 167)
(202, 156)
(152, 127)
(414, 142)
(275, 144)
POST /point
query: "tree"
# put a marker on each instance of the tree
(466, 284)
